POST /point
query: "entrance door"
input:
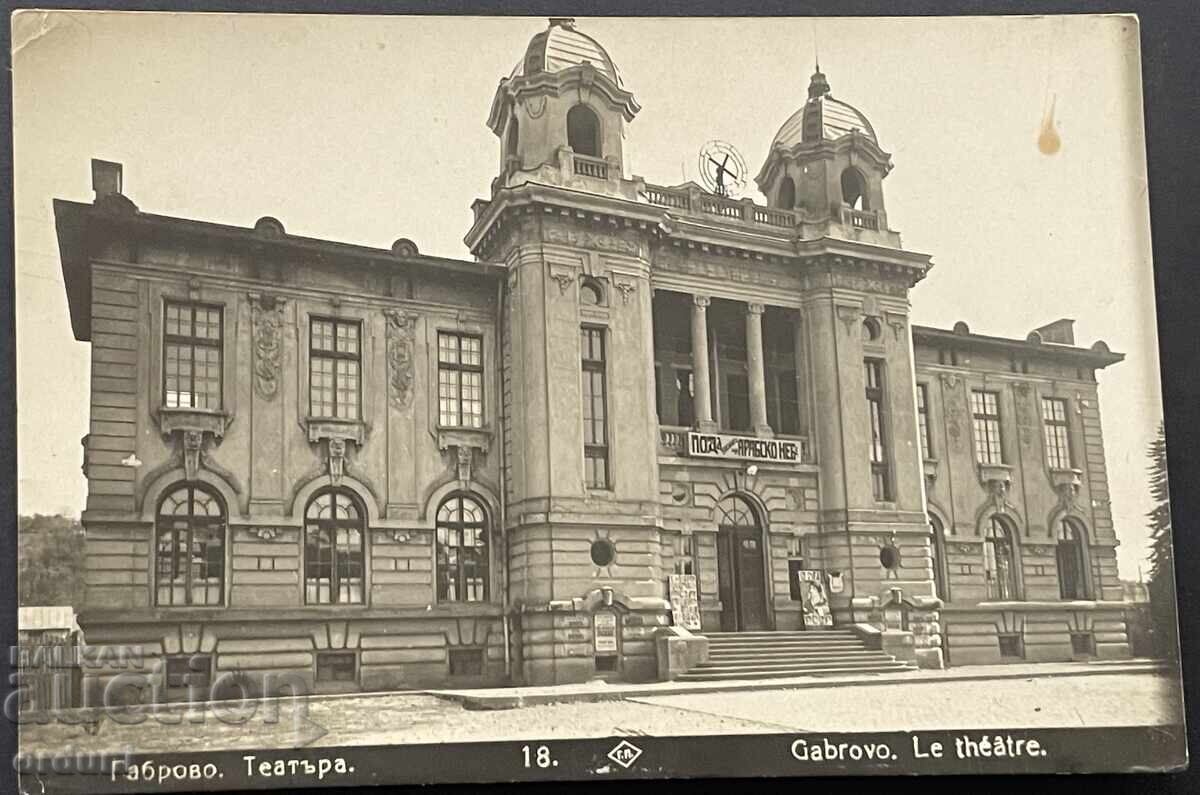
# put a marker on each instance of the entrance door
(740, 564)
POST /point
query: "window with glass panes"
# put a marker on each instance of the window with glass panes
(460, 380)
(595, 409)
(333, 549)
(335, 367)
(880, 476)
(923, 421)
(1058, 446)
(191, 356)
(985, 416)
(999, 561)
(462, 550)
(190, 548)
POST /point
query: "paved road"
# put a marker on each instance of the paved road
(1092, 701)
(1096, 700)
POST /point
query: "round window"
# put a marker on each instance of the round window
(889, 556)
(603, 552)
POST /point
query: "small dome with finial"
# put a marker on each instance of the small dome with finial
(560, 47)
(822, 118)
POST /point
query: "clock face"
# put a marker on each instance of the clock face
(722, 169)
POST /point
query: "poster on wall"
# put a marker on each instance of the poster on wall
(814, 599)
(604, 637)
(685, 601)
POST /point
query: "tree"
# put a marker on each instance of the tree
(1161, 586)
(50, 560)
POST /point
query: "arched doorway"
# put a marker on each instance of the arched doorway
(741, 578)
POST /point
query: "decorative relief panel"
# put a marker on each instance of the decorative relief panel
(669, 260)
(401, 342)
(597, 241)
(267, 311)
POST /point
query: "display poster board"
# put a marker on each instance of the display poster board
(685, 601)
(814, 599)
(604, 634)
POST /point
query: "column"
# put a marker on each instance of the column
(754, 362)
(702, 399)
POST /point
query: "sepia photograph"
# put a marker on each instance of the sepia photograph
(619, 397)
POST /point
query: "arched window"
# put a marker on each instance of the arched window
(190, 547)
(333, 549)
(734, 511)
(854, 189)
(999, 561)
(591, 293)
(787, 193)
(937, 555)
(583, 131)
(1072, 561)
(462, 550)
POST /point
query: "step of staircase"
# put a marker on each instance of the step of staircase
(763, 655)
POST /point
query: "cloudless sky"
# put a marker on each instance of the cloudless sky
(367, 129)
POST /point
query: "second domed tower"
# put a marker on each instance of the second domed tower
(563, 108)
(826, 161)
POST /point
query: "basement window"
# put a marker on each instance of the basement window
(1011, 645)
(337, 666)
(192, 670)
(606, 663)
(1083, 644)
(466, 662)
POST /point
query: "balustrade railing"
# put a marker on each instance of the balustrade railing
(860, 219)
(591, 167)
(721, 206)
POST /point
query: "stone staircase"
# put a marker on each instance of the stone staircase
(761, 655)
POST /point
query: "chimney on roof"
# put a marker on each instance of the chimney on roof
(1061, 331)
(106, 178)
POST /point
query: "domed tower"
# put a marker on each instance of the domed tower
(561, 113)
(826, 162)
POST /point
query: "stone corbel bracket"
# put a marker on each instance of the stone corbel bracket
(465, 441)
(191, 429)
(1066, 484)
(996, 478)
(336, 435)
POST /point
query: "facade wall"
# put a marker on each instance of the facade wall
(1036, 499)
(264, 464)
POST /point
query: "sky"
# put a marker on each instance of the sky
(366, 129)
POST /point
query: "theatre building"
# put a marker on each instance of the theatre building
(372, 468)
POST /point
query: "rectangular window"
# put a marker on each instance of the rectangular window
(191, 356)
(880, 475)
(923, 421)
(337, 666)
(335, 361)
(466, 662)
(1011, 645)
(595, 409)
(1083, 644)
(1058, 447)
(685, 554)
(191, 670)
(985, 414)
(737, 390)
(783, 405)
(684, 411)
(460, 380)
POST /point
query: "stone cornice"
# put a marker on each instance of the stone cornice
(1098, 355)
